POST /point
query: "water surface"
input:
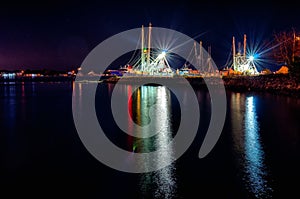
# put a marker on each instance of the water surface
(256, 156)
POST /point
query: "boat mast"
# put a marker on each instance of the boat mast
(196, 56)
(210, 69)
(233, 53)
(201, 56)
(245, 43)
(149, 45)
(142, 49)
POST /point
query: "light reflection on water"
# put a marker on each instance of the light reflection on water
(153, 104)
(264, 130)
(247, 143)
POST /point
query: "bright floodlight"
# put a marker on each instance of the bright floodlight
(251, 58)
(162, 55)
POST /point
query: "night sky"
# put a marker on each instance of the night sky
(58, 35)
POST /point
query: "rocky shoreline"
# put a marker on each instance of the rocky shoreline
(274, 83)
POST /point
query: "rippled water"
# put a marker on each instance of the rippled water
(163, 182)
(248, 145)
(256, 157)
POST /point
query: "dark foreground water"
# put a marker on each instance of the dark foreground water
(257, 155)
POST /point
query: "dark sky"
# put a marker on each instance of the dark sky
(58, 35)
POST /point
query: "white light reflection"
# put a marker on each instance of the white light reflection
(248, 146)
(254, 153)
(165, 177)
(77, 91)
(156, 100)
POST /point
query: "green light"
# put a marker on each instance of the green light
(133, 148)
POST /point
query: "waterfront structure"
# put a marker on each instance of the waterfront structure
(151, 62)
(242, 63)
(154, 62)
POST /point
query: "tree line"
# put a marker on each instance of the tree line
(287, 50)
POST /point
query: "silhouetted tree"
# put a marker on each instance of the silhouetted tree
(287, 45)
(283, 51)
